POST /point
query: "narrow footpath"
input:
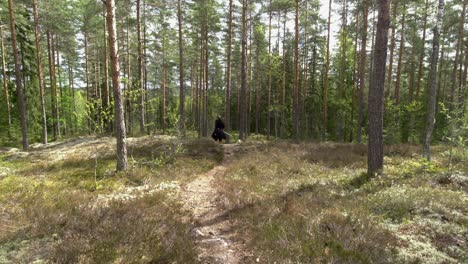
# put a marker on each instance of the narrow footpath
(217, 239)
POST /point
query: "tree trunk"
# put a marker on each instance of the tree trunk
(341, 87)
(421, 56)
(40, 72)
(433, 85)
(392, 48)
(457, 57)
(163, 79)
(305, 82)
(19, 87)
(58, 78)
(227, 99)
(362, 72)
(72, 108)
(140, 68)
(106, 75)
(129, 97)
(376, 92)
(205, 113)
(181, 71)
(296, 75)
(115, 68)
(269, 72)
(88, 98)
(355, 86)
(400, 58)
(243, 110)
(53, 87)
(325, 81)
(5, 84)
(283, 98)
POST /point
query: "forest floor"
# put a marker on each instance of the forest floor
(195, 201)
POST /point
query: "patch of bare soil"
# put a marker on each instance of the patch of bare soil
(215, 233)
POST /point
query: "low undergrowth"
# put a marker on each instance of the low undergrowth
(74, 208)
(312, 203)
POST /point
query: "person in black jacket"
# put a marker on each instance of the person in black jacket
(218, 133)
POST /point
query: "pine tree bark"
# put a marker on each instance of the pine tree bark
(325, 81)
(207, 51)
(140, 69)
(376, 92)
(243, 97)
(163, 79)
(461, 26)
(106, 75)
(5, 84)
(283, 98)
(362, 72)
(431, 110)
(400, 58)
(53, 86)
(296, 75)
(421, 55)
(181, 71)
(40, 72)
(72, 107)
(394, 12)
(227, 99)
(59, 96)
(88, 94)
(19, 86)
(269, 73)
(120, 132)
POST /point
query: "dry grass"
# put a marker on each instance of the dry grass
(310, 203)
(52, 209)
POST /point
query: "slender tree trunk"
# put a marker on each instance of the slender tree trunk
(296, 75)
(342, 82)
(355, 86)
(376, 92)
(129, 97)
(314, 87)
(59, 95)
(325, 81)
(181, 71)
(283, 98)
(305, 82)
(227, 99)
(463, 79)
(441, 70)
(421, 56)
(5, 84)
(249, 70)
(433, 85)
(106, 75)
(164, 124)
(72, 107)
(120, 132)
(374, 27)
(269, 72)
(88, 97)
(243, 110)
(400, 57)
(40, 72)
(362, 72)
(457, 57)
(392, 48)
(19, 86)
(140, 68)
(53, 86)
(205, 113)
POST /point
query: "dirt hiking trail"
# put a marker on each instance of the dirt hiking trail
(217, 239)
